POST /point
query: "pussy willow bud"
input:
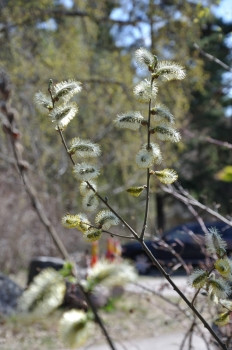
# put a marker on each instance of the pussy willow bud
(85, 172)
(169, 71)
(167, 176)
(166, 133)
(73, 328)
(70, 221)
(226, 303)
(63, 114)
(105, 219)
(145, 158)
(85, 188)
(93, 234)
(129, 120)
(198, 278)
(144, 58)
(44, 294)
(110, 274)
(215, 243)
(144, 91)
(90, 201)
(219, 287)
(84, 148)
(42, 100)
(162, 114)
(83, 223)
(66, 90)
(223, 266)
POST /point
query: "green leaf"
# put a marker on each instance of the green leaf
(223, 319)
(135, 191)
(67, 271)
(225, 174)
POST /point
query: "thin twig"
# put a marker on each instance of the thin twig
(194, 212)
(212, 58)
(147, 204)
(117, 235)
(188, 199)
(189, 334)
(108, 232)
(209, 139)
(175, 254)
(218, 142)
(185, 312)
(148, 170)
(184, 339)
(195, 295)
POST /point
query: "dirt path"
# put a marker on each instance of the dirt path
(165, 342)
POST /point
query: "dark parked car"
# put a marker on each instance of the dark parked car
(182, 245)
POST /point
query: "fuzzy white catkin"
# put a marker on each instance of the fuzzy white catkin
(143, 91)
(85, 172)
(144, 58)
(62, 115)
(106, 219)
(84, 148)
(66, 89)
(129, 120)
(170, 70)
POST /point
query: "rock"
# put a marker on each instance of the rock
(9, 294)
(42, 262)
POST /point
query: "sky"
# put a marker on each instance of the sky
(224, 10)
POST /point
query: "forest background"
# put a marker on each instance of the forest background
(93, 42)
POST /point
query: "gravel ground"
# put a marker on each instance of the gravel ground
(170, 341)
(138, 320)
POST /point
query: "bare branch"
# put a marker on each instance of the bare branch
(187, 199)
(176, 305)
(212, 58)
(209, 139)
(148, 170)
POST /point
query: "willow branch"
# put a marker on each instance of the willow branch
(183, 297)
(103, 200)
(212, 58)
(117, 235)
(218, 142)
(148, 170)
(194, 212)
(151, 256)
(208, 139)
(189, 334)
(195, 295)
(154, 260)
(186, 198)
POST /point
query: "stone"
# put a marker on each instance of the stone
(9, 294)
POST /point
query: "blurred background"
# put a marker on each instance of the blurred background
(93, 42)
